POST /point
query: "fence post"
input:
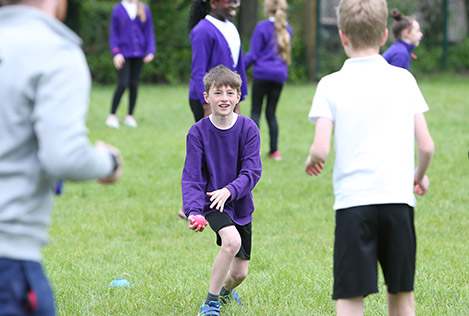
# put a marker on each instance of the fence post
(311, 23)
(445, 35)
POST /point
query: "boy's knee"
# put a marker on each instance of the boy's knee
(239, 276)
(231, 245)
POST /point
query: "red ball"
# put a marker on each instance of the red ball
(200, 220)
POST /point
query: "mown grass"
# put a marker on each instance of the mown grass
(130, 230)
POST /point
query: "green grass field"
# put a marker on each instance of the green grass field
(130, 230)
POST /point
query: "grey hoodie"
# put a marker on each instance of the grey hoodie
(44, 91)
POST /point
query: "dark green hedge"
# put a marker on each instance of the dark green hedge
(173, 57)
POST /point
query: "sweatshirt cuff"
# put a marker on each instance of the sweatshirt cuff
(115, 162)
(115, 51)
(193, 212)
(232, 191)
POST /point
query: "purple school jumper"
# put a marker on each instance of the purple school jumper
(210, 49)
(131, 38)
(268, 65)
(398, 54)
(219, 158)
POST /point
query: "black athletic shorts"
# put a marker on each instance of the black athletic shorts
(219, 220)
(366, 235)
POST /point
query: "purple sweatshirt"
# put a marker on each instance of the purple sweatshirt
(398, 54)
(219, 158)
(131, 38)
(210, 49)
(268, 65)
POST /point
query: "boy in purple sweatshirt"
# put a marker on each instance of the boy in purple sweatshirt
(221, 169)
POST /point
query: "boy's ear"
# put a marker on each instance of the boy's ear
(385, 37)
(206, 97)
(343, 38)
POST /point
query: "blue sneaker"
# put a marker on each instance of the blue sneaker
(211, 308)
(233, 297)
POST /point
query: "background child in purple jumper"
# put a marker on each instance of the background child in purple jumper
(221, 169)
(215, 41)
(132, 43)
(374, 175)
(270, 53)
(406, 31)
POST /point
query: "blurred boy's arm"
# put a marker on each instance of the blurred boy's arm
(58, 120)
(425, 148)
(320, 147)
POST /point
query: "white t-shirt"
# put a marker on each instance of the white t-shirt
(235, 118)
(131, 9)
(372, 105)
(231, 35)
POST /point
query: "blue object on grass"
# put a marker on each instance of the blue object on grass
(119, 283)
(58, 187)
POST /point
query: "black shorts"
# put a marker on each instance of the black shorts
(366, 235)
(219, 220)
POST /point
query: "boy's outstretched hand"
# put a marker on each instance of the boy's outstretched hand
(218, 198)
(117, 174)
(313, 167)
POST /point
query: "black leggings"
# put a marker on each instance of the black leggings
(129, 76)
(261, 88)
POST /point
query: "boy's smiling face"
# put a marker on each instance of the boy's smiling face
(222, 100)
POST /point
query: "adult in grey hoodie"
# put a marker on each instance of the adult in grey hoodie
(44, 91)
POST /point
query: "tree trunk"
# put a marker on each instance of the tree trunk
(247, 18)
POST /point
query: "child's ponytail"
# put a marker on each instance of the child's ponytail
(141, 11)
(277, 9)
(283, 37)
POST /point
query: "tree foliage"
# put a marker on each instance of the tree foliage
(90, 19)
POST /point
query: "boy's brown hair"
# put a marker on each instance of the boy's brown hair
(363, 21)
(220, 76)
